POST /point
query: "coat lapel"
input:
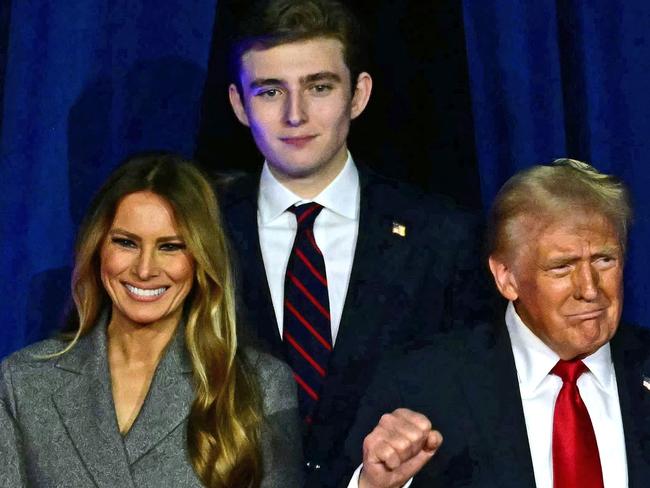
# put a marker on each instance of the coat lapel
(256, 307)
(167, 403)
(367, 290)
(500, 416)
(85, 405)
(369, 287)
(630, 348)
(489, 380)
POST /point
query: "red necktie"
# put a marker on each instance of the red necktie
(307, 332)
(576, 462)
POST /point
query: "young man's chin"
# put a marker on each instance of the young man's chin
(299, 174)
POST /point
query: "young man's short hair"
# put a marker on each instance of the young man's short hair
(271, 23)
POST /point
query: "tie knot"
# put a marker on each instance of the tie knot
(306, 214)
(569, 371)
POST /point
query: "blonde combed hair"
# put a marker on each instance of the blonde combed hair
(225, 419)
(542, 193)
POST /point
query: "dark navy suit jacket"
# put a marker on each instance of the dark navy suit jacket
(402, 290)
(466, 384)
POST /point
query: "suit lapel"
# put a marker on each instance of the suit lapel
(629, 354)
(491, 387)
(368, 288)
(372, 284)
(500, 416)
(85, 405)
(367, 285)
(257, 307)
(167, 403)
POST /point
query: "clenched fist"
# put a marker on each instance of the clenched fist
(398, 447)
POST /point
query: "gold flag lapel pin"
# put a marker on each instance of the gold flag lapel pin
(646, 382)
(399, 229)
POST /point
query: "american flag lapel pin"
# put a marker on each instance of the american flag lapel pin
(646, 382)
(399, 229)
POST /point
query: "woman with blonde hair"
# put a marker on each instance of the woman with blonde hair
(151, 387)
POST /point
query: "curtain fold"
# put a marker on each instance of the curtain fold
(86, 83)
(566, 79)
(516, 86)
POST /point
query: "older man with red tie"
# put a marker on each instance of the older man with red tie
(556, 396)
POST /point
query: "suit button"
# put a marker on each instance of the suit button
(317, 466)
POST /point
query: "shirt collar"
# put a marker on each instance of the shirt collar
(534, 359)
(340, 196)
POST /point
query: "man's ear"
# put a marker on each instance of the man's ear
(237, 104)
(504, 278)
(361, 94)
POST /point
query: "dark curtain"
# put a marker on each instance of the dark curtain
(465, 94)
(566, 78)
(85, 84)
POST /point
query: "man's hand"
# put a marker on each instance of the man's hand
(397, 448)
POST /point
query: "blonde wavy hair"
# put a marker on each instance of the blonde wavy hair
(225, 419)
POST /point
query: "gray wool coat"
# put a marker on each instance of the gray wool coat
(58, 426)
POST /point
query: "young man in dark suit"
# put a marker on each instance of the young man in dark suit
(555, 397)
(337, 264)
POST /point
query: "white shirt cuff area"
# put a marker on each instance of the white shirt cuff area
(354, 481)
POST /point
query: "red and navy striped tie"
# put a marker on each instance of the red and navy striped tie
(307, 333)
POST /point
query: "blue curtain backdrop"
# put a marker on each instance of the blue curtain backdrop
(566, 78)
(83, 84)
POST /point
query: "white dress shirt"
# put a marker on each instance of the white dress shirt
(539, 390)
(335, 231)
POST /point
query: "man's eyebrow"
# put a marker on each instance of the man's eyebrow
(260, 82)
(561, 260)
(607, 252)
(321, 76)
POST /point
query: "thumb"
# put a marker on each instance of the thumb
(411, 467)
(432, 442)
